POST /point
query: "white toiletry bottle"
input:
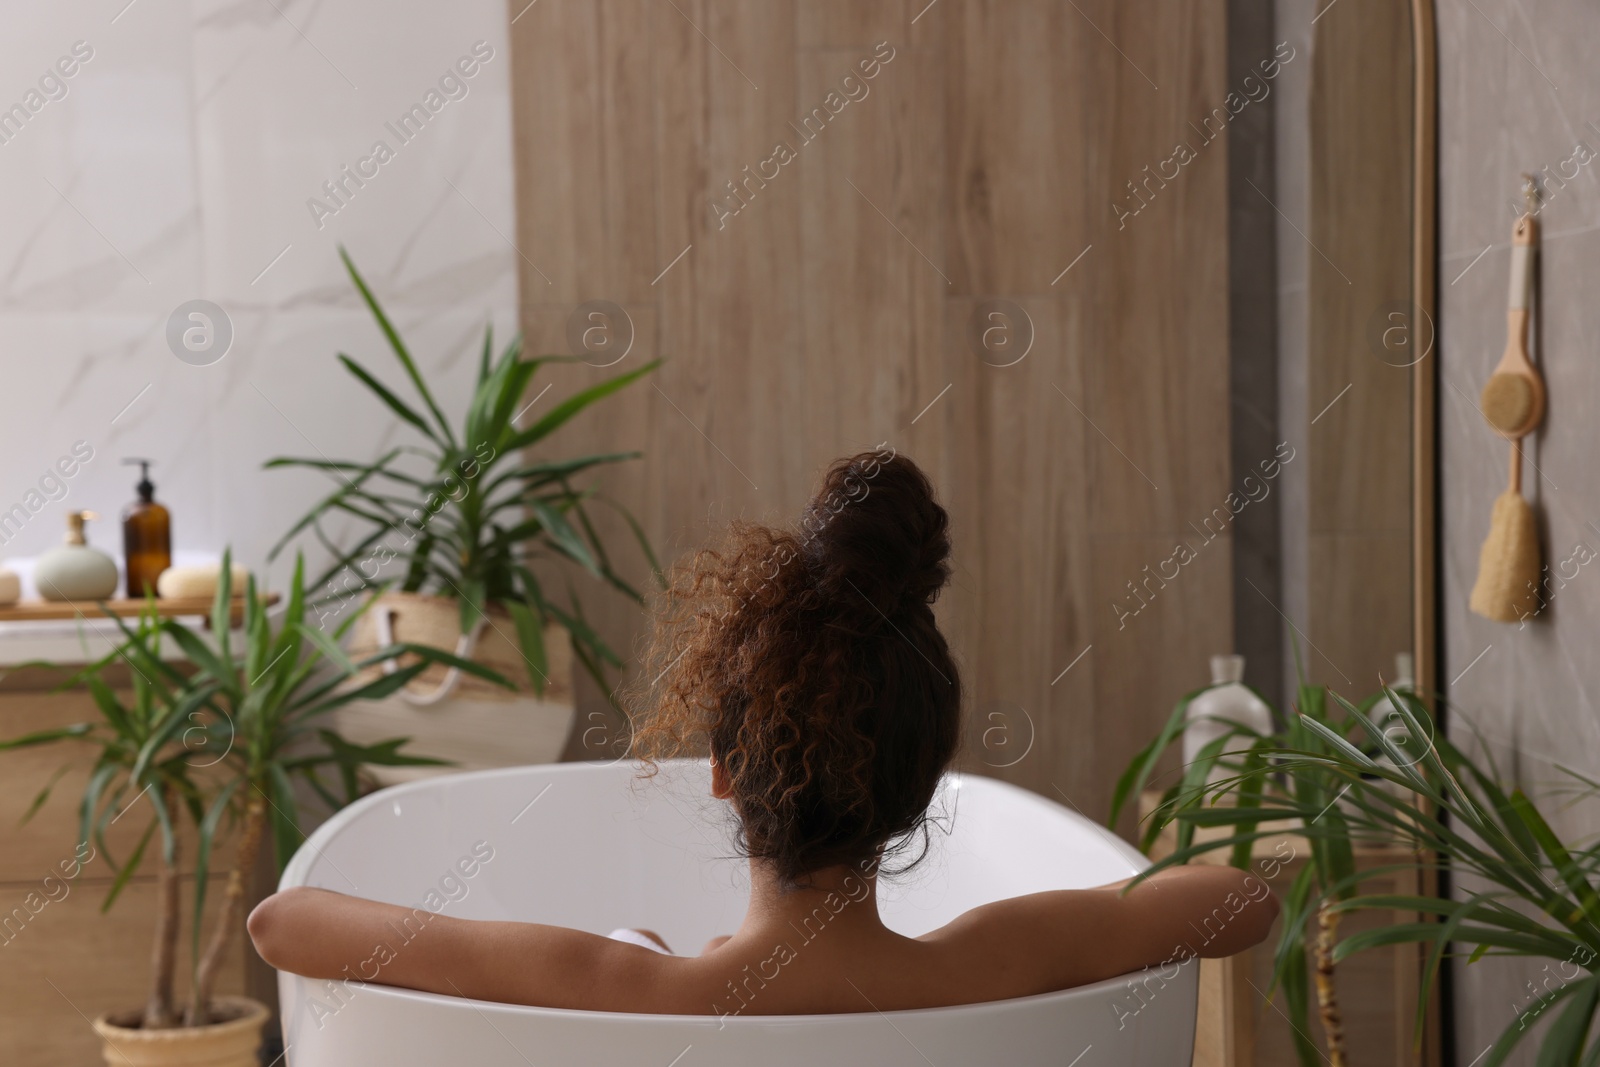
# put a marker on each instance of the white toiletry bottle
(1386, 718)
(1228, 700)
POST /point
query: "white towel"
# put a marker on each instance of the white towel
(634, 937)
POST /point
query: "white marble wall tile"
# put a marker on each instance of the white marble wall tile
(178, 166)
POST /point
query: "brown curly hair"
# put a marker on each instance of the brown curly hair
(809, 663)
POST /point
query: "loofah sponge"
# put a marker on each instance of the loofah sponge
(1508, 566)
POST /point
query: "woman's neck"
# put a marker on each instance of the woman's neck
(831, 898)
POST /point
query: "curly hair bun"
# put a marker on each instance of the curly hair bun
(874, 532)
(811, 665)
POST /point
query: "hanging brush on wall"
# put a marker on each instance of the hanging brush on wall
(1513, 403)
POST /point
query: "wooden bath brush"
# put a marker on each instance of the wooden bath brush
(1513, 398)
(1513, 403)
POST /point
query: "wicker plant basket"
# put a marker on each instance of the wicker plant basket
(470, 722)
(232, 1041)
(436, 621)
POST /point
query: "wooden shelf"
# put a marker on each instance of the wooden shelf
(48, 610)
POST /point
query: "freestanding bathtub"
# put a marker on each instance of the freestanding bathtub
(595, 847)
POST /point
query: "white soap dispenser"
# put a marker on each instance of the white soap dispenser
(1228, 700)
(74, 570)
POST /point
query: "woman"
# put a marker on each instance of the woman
(810, 664)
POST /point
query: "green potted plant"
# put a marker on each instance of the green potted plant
(216, 744)
(1337, 772)
(460, 531)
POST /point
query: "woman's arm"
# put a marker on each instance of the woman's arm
(322, 934)
(1077, 936)
(1201, 910)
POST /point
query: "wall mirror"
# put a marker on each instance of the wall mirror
(1358, 350)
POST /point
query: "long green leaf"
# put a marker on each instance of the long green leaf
(397, 345)
(127, 870)
(46, 737)
(395, 404)
(571, 406)
(530, 641)
(1133, 780)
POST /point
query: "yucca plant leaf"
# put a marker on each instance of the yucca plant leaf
(530, 641)
(395, 404)
(1569, 872)
(1133, 780)
(127, 870)
(99, 778)
(1413, 932)
(41, 796)
(488, 348)
(448, 659)
(1339, 744)
(283, 812)
(583, 637)
(643, 542)
(399, 347)
(174, 720)
(46, 737)
(564, 536)
(347, 486)
(201, 655)
(1522, 1026)
(384, 685)
(112, 711)
(562, 412)
(139, 650)
(537, 475)
(1249, 799)
(473, 599)
(1563, 1042)
(494, 404)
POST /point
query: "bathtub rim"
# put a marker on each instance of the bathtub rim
(309, 852)
(296, 871)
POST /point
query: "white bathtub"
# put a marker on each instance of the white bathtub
(591, 846)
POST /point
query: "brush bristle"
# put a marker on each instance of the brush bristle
(1508, 566)
(1507, 402)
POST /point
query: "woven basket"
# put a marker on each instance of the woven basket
(231, 1042)
(475, 725)
(436, 621)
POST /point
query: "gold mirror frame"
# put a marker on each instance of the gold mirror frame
(1425, 377)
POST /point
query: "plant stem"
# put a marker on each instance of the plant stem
(1327, 1003)
(205, 979)
(158, 1010)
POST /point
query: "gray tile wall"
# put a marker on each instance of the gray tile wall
(1519, 90)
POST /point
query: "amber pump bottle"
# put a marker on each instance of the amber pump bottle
(146, 536)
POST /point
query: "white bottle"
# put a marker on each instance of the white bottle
(1228, 700)
(1383, 712)
(1385, 718)
(1389, 722)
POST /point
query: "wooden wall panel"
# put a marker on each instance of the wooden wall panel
(835, 310)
